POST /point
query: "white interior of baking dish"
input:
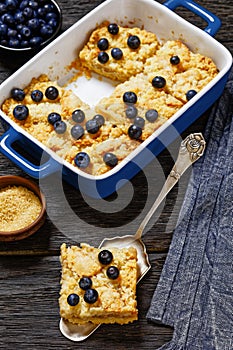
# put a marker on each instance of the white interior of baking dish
(148, 14)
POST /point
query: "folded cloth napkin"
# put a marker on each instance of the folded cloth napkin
(195, 291)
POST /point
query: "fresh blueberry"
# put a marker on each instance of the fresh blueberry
(85, 283)
(139, 121)
(110, 159)
(103, 57)
(53, 23)
(103, 44)
(133, 42)
(41, 12)
(35, 41)
(25, 31)
(82, 160)
(20, 112)
(3, 8)
(8, 19)
(90, 296)
(113, 272)
(36, 95)
(158, 82)
(105, 257)
(78, 116)
(116, 53)
(4, 42)
(19, 27)
(131, 112)
(130, 97)
(190, 94)
(33, 24)
(28, 12)
(174, 60)
(53, 118)
(23, 4)
(151, 115)
(92, 126)
(24, 43)
(17, 94)
(50, 15)
(113, 28)
(42, 22)
(11, 5)
(99, 119)
(3, 29)
(73, 299)
(13, 42)
(19, 17)
(33, 4)
(51, 93)
(134, 132)
(46, 30)
(49, 7)
(60, 127)
(77, 131)
(12, 33)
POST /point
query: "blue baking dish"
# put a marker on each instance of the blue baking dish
(167, 25)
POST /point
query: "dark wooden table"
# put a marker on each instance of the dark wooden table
(30, 269)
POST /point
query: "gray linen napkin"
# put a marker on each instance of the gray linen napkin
(195, 290)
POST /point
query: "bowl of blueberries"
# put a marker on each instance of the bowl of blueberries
(26, 26)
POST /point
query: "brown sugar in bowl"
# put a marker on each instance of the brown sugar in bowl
(11, 181)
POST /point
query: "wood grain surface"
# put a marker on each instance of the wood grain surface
(30, 269)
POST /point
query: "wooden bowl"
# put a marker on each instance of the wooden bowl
(38, 222)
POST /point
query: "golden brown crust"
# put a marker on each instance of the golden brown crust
(192, 73)
(132, 61)
(113, 107)
(116, 301)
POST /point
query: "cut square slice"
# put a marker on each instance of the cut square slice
(115, 296)
(132, 60)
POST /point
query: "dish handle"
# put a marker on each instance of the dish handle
(36, 171)
(213, 22)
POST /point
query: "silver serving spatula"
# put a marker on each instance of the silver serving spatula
(191, 149)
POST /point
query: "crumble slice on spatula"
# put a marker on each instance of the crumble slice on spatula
(98, 285)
